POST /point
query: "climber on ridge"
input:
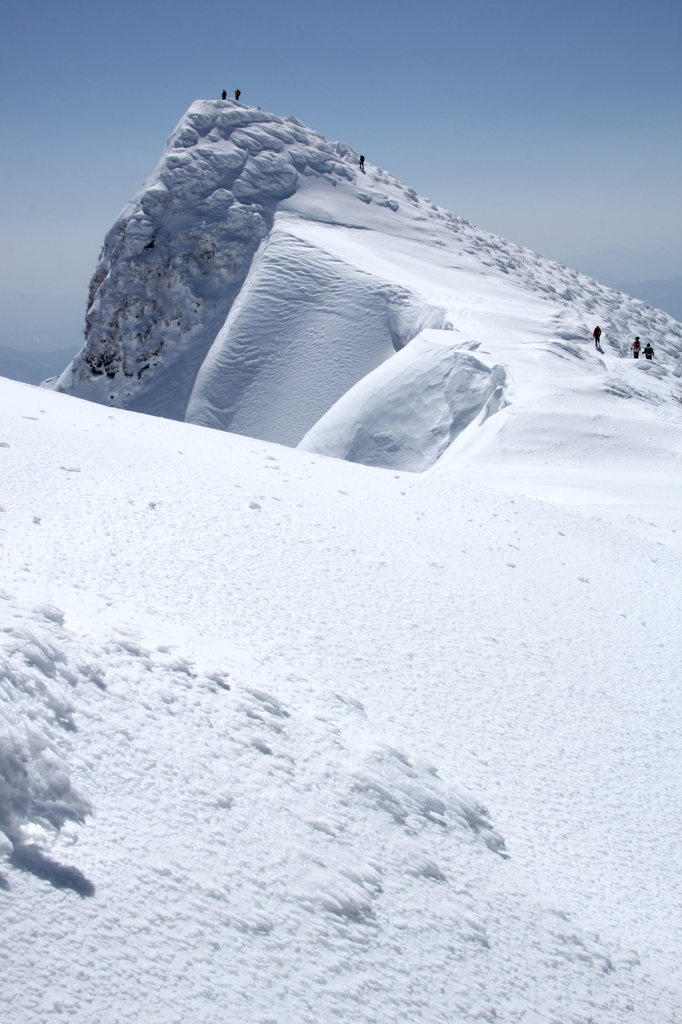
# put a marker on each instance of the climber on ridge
(237, 94)
(596, 334)
(636, 346)
(224, 95)
(362, 164)
(648, 351)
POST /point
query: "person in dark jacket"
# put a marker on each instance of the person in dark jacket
(224, 96)
(636, 346)
(648, 351)
(362, 164)
(237, 94)
(596, 334)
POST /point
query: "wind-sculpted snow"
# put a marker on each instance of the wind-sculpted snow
(39, 662)
(304, 328)
(37, 710)
(301, 827)
(179, 253)
(408, 411)
(258, 275)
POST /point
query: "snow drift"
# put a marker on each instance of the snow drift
(258, 275)
(405, 413)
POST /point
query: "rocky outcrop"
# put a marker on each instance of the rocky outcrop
(177, 256)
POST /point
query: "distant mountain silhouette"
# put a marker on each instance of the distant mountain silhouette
(33, 367)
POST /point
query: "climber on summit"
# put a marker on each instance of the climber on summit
(596, 334)
(224, 95)
(237, 94)
(362, 164)
(648, 351)
(636, 346)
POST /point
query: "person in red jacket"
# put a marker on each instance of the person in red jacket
(596, 334)
(636, 346)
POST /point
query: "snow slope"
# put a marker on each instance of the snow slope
(258, 275)
(388, 736)
(330, 742)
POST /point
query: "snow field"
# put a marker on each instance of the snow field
(304, 845)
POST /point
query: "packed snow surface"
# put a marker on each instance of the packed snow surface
(290, 739)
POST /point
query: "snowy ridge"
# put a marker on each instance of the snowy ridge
(258, 275)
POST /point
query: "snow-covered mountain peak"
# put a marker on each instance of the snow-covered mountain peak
(260, 274)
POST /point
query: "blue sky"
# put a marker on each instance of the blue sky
(554, 124)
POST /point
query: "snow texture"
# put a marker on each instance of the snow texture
(290, 739)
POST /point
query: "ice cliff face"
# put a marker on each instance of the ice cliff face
(258, 275)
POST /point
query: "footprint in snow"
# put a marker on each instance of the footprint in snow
(254, 504)
(70, 469)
